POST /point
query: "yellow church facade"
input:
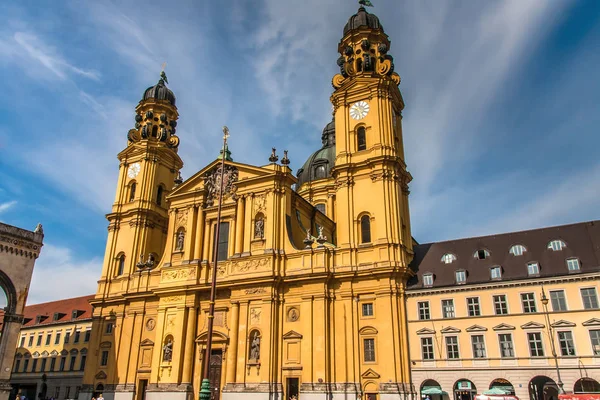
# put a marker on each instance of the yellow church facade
(311, 268)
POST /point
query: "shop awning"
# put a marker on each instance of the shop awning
(497, 390)
(432, 390)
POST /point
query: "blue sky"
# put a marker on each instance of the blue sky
(501, 119)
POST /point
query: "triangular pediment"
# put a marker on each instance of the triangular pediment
(532, 325)
(146, 342)
(370, 374)
(36, 354)
(450, 329)
(292, 335)
(503, 327)
(425, 331)
(562, 324)
(64, 352)
(246, 173)
(101, 375)
(591, 322)
(476, 328)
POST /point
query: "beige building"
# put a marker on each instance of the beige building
(19, 248)
(52, 349)
(477, 319)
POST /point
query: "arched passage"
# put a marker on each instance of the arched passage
(586, 385)
(464, 389)
(542, 388)
(503, 385)
(431, 389)
(10, 293)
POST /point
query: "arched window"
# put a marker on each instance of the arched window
(359, 65)
(448, 258)
(557, 245)
(321, 207)
(365, 229)
(132, 191)
(320, 172)
(159, 195)
(121, 268)
(155, 131)
(517, 250)
(481, 254)
(361, 139)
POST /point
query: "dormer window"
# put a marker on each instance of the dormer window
(573, 264)
(481, 254)
(448, 258)
(428, 280)
(496, 272)
(461, 276)
(40, 318)
(517, 250)
(74, 314)
(320, 172)
(533, 268)
(556, 245)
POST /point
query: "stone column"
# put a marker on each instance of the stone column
(190, 338)
(239, 226)
(233, 343)
(199, 238)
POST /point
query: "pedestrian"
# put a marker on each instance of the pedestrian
(100, 397)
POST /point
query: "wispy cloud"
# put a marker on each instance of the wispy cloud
(5, 206)
(58, 273)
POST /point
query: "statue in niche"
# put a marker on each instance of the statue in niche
(255, 347)
(180, 240)
(168, 351)
(259, 228)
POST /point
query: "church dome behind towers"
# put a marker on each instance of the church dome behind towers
(159, 92)
(362, 18)
(319, 164)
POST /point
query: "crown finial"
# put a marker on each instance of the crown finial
(285, 160)
(365, 3)
(273, 158)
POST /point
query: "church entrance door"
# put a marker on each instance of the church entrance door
(216, 361)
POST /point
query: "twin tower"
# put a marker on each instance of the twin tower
(311, 268)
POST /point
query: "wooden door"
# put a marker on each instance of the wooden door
(216, 361)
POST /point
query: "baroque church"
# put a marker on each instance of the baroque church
(311, 272)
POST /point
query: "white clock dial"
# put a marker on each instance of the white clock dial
(359, 110)
(134, 170)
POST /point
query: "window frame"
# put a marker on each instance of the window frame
(595, 347)
(564, 299)
(576, 259)
(361, 138)
(448, 258)
(477, 304)
(482, 336)
(538, 339)
(504, 301)
(486, 254)
(104, 358)
(364, 223)
(496, 268)
(372, 351)
(57, 337)
(528, 300)
(457, 349)
(560, 243)
(595, 298)
(510, 341)
(463, 274)
(522, 250)
(367, 304)
(109, 328)
(428, 279)
(537, 268)
(572, 343)
(444, 309)
(426, 310)
(224, 242)
(426, 348)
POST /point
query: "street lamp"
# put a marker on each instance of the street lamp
(205, 393)
(551, 335)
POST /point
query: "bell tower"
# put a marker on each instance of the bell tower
(370, 172)
(148, 171)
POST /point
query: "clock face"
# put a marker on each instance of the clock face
(359, 110)
(134, 170)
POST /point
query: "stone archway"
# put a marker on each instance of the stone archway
(19, 249)
(543, 388)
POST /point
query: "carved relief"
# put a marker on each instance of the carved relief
(150, 324)
(171, 299)
(250, 265)
(170, 321)
(293, 314)
(260, 204)
(255, 291)
(178, 274)
(181, 218)
(219, 319)
(213, 184)
(255, 316)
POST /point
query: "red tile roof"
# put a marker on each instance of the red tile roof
(65, 307)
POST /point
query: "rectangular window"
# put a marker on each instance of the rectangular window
(48, 339)
(573, 264)
(478, 346)
(82, 363)
(427, 348)
(452, 347)
(77, 337)
(39, 340)
(495, 273)
(104, 359)
(567, 347)
(424, 310)
(595, 339)
(427, 280)
(44, 362)
(57, 392)
(17, 365)
(535, 344)
(367, 309)
(57, 338)
(86, 338)
(25, 365)
(67, 392)
(473, 306)
(67, 337)
(369, 350)
(461, 276)
(22, 341)
(34, 365)
(63, 360)
(72, 363)
(109, 328)
(448, 308)
(557, 298)
(590, 299)
(52, 363)
(30, 341)
(500, 306)
(528, 300)
(533, 268)
(223, 241)
(506, 345)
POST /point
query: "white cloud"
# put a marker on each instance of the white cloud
(58, 274)
(6, 205)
